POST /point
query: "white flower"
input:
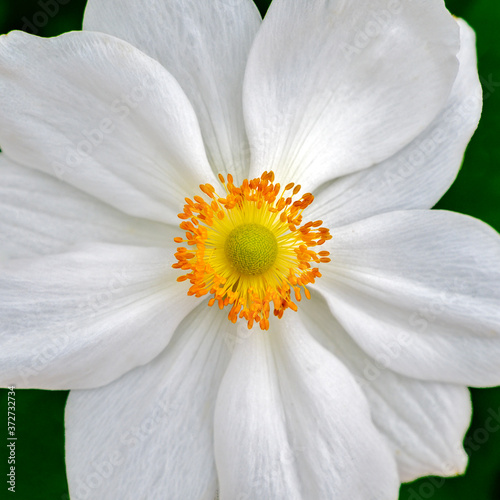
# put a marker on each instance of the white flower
(365, 105)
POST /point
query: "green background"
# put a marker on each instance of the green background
(40, 414)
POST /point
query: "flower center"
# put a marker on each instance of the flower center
(249, 249)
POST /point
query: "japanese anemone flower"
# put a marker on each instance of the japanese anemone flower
(302, 154)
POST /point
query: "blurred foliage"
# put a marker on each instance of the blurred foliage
(40, 427)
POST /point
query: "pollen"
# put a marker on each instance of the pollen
(249, 248)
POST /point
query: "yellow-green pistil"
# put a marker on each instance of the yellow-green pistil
(251, 249)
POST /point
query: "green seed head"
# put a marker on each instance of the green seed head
(251, 249)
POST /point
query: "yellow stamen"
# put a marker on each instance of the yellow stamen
(249, 248)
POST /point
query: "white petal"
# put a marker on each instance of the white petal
(291, 423)
(419, 291)
(424, 422)
(418, 175)
(204, 45)
(82, 319)
(100, 114)
(150, 433)
(40, 214)
(316, 110)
